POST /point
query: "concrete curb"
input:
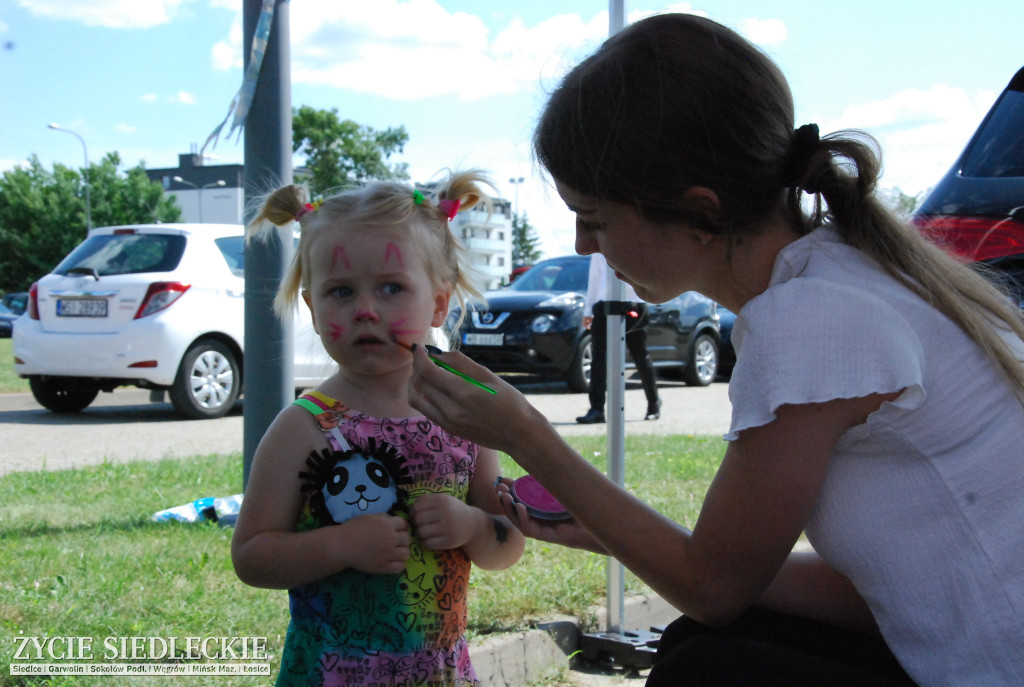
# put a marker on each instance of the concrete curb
(521, 658)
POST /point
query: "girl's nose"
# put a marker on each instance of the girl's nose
(365, 315)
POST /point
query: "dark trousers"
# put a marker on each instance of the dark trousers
(764, 648)
(636, 343)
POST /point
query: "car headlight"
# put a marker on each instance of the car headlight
(562, 300)
(542, 324)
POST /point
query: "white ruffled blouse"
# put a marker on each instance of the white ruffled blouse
(923, 505)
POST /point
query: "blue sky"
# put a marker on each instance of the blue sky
(151, 78)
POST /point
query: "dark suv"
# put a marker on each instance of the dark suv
(535, 326)
(977, 210)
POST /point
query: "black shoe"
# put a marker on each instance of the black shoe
(592, 417)
(653, 410)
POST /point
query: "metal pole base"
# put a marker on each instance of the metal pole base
(633, 649)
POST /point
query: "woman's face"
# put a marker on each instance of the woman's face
(653, 257)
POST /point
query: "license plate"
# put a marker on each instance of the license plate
(81, 307)
(483, 339)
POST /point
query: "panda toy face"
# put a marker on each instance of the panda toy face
(358, 485)
(360, 481)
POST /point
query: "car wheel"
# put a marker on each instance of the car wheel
(578, 375)
(63, 396)
(207, 383)
(703, 364)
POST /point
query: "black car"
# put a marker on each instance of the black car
(727, 354)
(535, 326)
(16, 302)
(977, 210)
(7, 319)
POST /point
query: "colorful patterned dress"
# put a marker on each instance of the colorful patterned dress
(357, 628)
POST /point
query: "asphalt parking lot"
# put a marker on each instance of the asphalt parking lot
(125, 426)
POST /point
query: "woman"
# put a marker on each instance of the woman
(878, 394)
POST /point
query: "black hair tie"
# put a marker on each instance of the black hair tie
(802, 149)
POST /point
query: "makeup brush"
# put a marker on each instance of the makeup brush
(432, 351)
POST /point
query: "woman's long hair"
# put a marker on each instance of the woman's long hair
(676, 101)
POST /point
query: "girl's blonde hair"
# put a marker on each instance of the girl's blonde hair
(378, 205)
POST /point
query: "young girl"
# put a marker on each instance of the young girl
(367, 512)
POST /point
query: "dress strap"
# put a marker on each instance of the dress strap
(315, 402)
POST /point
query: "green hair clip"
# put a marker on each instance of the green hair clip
(417, 197)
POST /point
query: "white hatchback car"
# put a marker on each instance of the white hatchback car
(156, 306)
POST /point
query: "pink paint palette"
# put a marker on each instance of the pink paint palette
(539, 502)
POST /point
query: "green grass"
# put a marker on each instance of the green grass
(82, 558)
(9, 381)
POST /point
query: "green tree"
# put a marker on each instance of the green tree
(42, 212)
(903, 204)
(525, 243)
(342, 153)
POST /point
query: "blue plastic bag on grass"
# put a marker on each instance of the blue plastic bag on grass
(222, 510)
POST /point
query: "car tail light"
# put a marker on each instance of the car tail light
(33, 301)
(974, 238)
(160, 295)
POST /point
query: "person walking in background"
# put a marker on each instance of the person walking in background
(595, 319)
(365, 511)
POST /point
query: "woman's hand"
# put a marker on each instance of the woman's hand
(501, 420)
(562, 532)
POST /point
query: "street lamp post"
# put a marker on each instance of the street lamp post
(515, 182)
(219, 182)
(85, 172)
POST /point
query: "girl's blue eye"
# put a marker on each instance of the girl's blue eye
(341, 292)
(392, 288)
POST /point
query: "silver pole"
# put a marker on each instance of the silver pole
(85, 173)
(616, 338)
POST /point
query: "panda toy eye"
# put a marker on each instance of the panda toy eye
(378, 475)
(337, 480)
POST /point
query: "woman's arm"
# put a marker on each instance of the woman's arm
(808, 587)
(265, 548)
(754, 512)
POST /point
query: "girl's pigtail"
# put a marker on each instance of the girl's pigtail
(279, 209)
(462, 192)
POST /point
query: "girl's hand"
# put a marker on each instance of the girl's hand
(442, 521)
(378, 543)
(563, 532)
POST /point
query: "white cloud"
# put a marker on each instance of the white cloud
(123, 128)
(183, 98)
(403, 50)
(7, 164)
(921, 131)
(227, 54)
(114, 14)
(149, 98)
(764, 32)
(418, 49)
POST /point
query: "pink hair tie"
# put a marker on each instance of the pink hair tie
(449, 207)
(309, 207)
